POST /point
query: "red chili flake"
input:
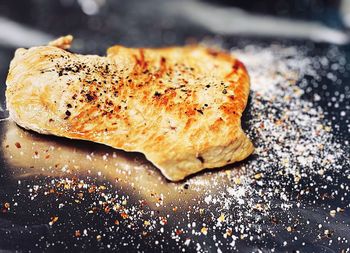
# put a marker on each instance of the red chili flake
(124, 215)
(164, 221)
(7, 205)
(7, 146)
(179, 231)
(53, 220)
(107, 209)
(274, 220)
(116, 222)
(143, 202)
(18, 145)
(47, 157)
(324, 195)
(77, 233)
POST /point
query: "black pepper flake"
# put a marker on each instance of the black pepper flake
(200, 111)
(200, 159)
(224, 91)
(68, 113)
(208, 86)
(89, 97)
(186, 186)
(69, 105)
(157, 94)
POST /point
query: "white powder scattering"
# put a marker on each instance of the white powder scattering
(293, 142)
(208, 199)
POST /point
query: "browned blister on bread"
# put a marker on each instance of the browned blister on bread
(180, 106)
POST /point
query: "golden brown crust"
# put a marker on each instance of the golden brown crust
(62, 42)
(180, 106)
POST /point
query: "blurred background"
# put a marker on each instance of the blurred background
(98, 24)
